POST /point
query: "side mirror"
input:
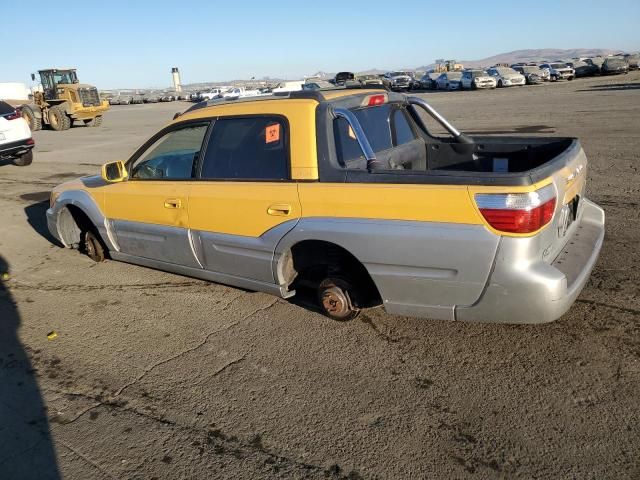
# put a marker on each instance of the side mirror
(33, 77)
(114, 172)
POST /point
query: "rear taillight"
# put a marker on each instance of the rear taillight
(13, 115)
(518, 212)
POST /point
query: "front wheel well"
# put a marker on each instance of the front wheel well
(73, 223)
(311, 261)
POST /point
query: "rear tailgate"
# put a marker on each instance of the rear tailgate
(570, 184)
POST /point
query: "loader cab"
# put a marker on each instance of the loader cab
(51, 78)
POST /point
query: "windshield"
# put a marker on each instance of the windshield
(530, 69)
(65, 76)
(398, 74)
(454, 75)
(505, 70)
(614, 61)
(478, 73)
(558, 65)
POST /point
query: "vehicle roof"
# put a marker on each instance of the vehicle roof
(349, 97)
(55, 69)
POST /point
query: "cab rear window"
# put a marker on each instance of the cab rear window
(5, 108)
(386, 126)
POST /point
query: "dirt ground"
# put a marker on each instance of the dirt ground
(153, 375)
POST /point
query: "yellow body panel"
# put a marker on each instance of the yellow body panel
(242, 208)
(427, 203)
(156, 202)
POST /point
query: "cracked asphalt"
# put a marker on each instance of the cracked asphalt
(153, 375)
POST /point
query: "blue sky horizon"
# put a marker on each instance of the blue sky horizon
(135, 44)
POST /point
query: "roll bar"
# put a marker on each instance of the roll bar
(457, 134)
(361, 137)
(365, 146)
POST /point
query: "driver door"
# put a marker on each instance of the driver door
(149, 211)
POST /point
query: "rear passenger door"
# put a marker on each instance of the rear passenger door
(244, 200)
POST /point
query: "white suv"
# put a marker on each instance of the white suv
(16, 143)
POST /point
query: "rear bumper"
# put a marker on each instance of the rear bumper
(17, 148)
(539, 292)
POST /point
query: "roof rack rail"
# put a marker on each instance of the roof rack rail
(309, 94)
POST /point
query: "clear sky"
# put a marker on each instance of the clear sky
(118, 43)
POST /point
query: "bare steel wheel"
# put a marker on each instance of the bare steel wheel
(336, 299)
(93, 247)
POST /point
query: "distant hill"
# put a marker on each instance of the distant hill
(533, 55)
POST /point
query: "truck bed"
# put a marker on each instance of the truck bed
(489, 160)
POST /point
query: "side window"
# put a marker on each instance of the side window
(402, 129)
(172, 156)
(385, 127)
(249, 148)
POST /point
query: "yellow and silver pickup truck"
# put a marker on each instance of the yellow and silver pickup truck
(349, 192)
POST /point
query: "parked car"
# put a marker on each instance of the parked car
(449, 81)
(597, 61)
(125, 99)
(284, 198)
(343, 77)
(137, 99)
(632, 59)
(559, 71)
(167, 97)
(414, 83)
(213, 93)
(316, 84)
(543, 73)
(474, 79)
(428, 80)
(16, 143)
(151, 98)
(506, 77)
(369, 80)
(289, 86)
(614, 66)
(115, 100)
(241, 92)
(398, 80)
(532, 74)
(584, 68)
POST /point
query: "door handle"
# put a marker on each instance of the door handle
(172, 203)
(279, 209)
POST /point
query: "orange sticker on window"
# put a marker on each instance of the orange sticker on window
(272, 133)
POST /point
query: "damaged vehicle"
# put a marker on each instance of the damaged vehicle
(346, 193)
(475, 79)
(449, 81)
(532, 74)
(506, 77)
(614, 66)
(559, 71)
